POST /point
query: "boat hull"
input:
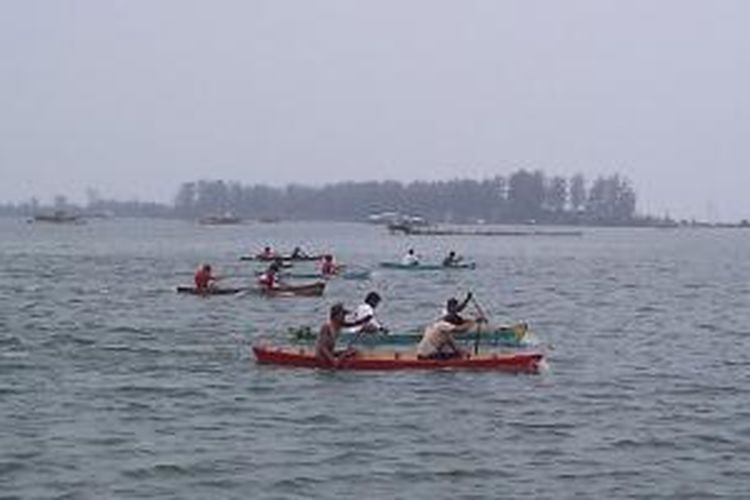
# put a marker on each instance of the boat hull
(310, 290)
(287, 258)
(426, 267)
(516, 335)
(523, 362)
(191, 290)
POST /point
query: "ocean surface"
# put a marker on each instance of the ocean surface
(114, 386)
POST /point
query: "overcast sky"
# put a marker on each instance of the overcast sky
(135, 97)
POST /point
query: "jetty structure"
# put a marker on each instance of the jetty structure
(408, 229)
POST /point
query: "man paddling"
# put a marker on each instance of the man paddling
(410, 259)
(367, 309)
(452, 259)
(298, 253)
(204, 279)
(327, 266)
(325, 347)
(438, 341)
(270, 279)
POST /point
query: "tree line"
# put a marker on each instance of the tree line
(522, 197)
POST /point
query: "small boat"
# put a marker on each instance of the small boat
(519, 362)
(517, 335)
(284, 290)
(58, 217)
(347, 275)
(220, 220)
(270, 258)
(427, 267)
(210, 291)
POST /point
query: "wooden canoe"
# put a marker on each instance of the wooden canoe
(521, 362)
(284, 290)
(209, 291)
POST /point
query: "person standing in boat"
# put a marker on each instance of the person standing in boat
(367, 310)
(203, 278)
(452, 259)
(325, 347)
(410, 259)
(438, 340)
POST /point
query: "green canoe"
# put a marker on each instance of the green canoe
(517, 335)
(347, 275)
(426, 267)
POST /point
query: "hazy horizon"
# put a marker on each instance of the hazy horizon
(134, 98)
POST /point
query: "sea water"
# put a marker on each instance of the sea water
(114, 386)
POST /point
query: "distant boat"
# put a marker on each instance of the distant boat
(58, 217)
(389, 218)
(218, 220)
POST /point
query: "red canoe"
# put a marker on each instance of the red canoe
(209, 291)
(521, 362)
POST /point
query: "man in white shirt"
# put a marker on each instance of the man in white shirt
(410, 259)
(367, 308)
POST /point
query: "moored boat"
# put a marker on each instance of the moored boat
(58, 217)
(209, 291)
(519, 362)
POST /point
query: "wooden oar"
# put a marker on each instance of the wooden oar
(479, 326)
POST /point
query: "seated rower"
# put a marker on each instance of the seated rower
(204, 279)
(365, 310)
(325, 347)
(270, 279)
(410, 259)
(298, 253)
(452, 259)
(438, 341)
(267, 254)
(328, 267)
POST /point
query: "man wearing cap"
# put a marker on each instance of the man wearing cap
(325, 348)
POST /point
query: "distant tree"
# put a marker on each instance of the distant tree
(578, 193)
(556, 194)
(185, 200)
(526, 195)
(611, 200)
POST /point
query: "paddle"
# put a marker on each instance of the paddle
(482, 319)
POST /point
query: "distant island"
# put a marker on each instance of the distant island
(524, 197)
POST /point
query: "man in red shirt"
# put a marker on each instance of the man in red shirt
(328, 267)
(203, 278)
(270, 279)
